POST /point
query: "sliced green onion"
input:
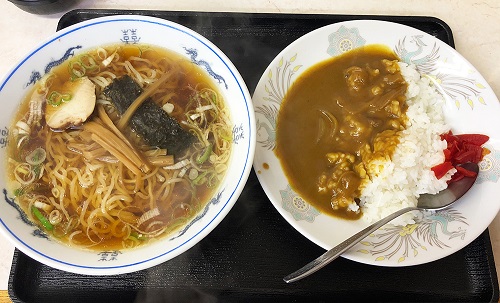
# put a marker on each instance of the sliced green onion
(37, 156)
(225, 135)
(193, 173)
(137, 236)
(38, 170)
(55, 217)
(88, 62)
(201, 178)
(213, 180)
(23, 189)
(206, 153)
(19, 192)
(24, 174)
(214, 99)
(56, 98)
(76, 70)
(22, 169)
(42, 219)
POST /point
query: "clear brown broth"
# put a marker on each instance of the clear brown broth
(191, 77)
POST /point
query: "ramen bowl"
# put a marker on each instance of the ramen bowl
(130, 30)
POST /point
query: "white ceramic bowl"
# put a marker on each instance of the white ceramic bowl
(128, 29)
(471, 107)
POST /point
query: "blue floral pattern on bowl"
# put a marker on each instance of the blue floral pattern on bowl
(298, 207)
(344, 40)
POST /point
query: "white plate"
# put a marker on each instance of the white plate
(128, 29)
(471, 107)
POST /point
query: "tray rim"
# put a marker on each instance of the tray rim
(395, 18)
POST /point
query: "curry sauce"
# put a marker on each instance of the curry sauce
(338, 117)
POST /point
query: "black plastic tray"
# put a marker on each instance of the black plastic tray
(253, 248)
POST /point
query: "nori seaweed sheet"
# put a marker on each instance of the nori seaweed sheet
(151, 122)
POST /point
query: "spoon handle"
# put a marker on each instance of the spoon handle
(336, 251)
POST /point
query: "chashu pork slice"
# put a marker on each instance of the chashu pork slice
(72, 105)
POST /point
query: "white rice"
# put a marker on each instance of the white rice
(398, 183)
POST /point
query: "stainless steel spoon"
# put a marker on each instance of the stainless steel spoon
(441, 200)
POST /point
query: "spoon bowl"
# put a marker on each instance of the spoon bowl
(441, 200)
